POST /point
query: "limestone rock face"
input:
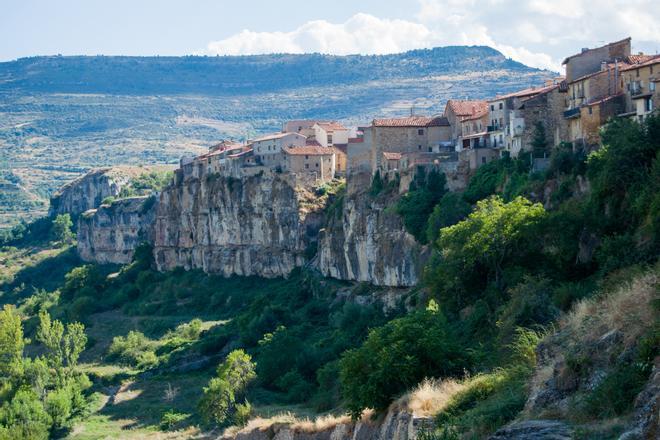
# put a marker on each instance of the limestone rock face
(257, 225)
(88, 191)
(111, 233)
(368, 243)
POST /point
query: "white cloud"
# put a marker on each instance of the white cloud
(362, 33)
(539, 33)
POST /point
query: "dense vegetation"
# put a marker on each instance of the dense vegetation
(509, 258)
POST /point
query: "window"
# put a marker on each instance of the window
(420, 132)
(306, 166)
(591, 111)
(317, 164)
(649, 105)
(637, 73)
(501, 105)
(306, 156)
(492, 108)
(483, 160)
(419, 147)
(652, 86)
(430, 150)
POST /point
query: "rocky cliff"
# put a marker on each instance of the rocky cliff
(88, 191)
(367, 242)
(257, 225)
(264, 224)
(111, 233)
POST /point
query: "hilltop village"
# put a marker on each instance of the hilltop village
(600, 83)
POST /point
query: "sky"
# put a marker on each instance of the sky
(539, 33)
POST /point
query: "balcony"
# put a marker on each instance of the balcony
(492, 128)
(572, 113)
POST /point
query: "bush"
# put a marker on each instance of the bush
(220, 403)
(451, 209)
(171, 419)
(135, 350)
(396, 357)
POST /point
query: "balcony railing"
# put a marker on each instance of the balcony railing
(572, 113)
(491, 128)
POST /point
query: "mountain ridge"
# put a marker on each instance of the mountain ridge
(221, 75)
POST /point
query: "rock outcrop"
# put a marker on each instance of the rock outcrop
(367, 242)
(111, 233)
(88, 191)
(264, 224)
(534, 430)
(257, 225)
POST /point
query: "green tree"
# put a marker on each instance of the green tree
(61, 228)
(64, 346)
(451, 209)
(12, 343)
(220, 403)
(474, 252)
(397, 356)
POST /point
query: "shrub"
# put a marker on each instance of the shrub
(135, 350)
(171, 419)
(451, 209)
(220, 403)
(61, 228)
(396, 357)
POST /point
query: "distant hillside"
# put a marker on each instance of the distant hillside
(237, 75)
(60, 116)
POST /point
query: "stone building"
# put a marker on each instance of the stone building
(318, 161)
(330, 133)
(639, 81)
(474, 130)
(589, 61)
(545, 108)
(591, 100)
(456, 111)
(404, 135)
(268, 149)
(508, 123)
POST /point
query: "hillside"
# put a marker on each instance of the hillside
(536, 316)
(60, 116)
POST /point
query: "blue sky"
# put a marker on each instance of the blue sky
(536, 32)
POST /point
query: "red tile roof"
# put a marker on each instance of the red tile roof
(309, 150)
(467, 108)
(642, 61)
(412, 121)
(313, 143)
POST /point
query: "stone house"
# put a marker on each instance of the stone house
(330, 133)
(589, 61)
(507, 123)
(302, 126)
(456, 111)
(403, 135)
(639, 81)
(546, 108)
(268, 150)
(596, 97)
(474, 130)
(318, 161)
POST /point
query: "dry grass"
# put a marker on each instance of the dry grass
(627, 309)
(319, 424)
(430, 397)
